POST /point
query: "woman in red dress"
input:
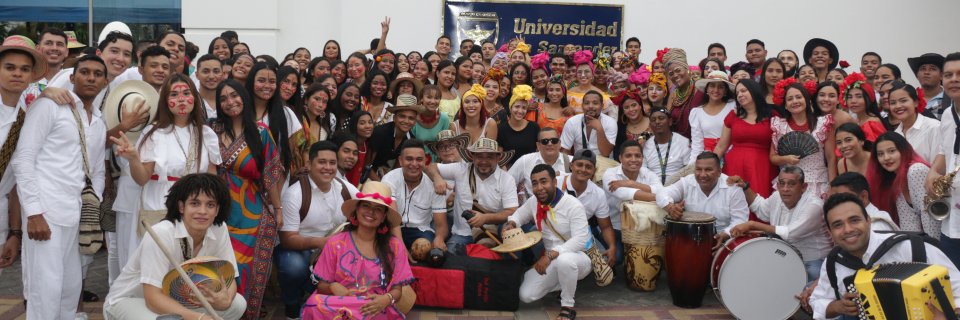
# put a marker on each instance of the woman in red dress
(858, 97)
(747, 134)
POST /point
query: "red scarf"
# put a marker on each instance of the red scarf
(543, 209)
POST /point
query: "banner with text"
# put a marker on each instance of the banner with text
(544, 26)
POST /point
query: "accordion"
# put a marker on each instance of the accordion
(901, 290)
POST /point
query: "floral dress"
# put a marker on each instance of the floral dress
(341, 262)
(814, 166)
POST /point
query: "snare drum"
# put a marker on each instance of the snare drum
(688, 252)
(642, 229)
(756, 277)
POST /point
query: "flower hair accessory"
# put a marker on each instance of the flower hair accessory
(811, 87)
(522, 47)
(855, 80)
(780, 90)
(477, 91)
(380, 57)
(583, 57)
(494, 74)
(660, 54)
(844, 64)
(539, 61)
(521, 93)
(623, 96)
(375, 195)
(921, 101)
(640, 77)
(504, 48)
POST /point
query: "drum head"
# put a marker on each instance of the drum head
(759, 279)
(696, 217)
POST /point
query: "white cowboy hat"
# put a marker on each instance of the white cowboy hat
(128, 95)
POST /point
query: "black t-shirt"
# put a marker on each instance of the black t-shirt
(522, 142)
(381, 141)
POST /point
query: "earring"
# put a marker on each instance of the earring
(354, 222)
(383, 229)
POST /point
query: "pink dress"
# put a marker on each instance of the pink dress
(341, 262)
(814, 166)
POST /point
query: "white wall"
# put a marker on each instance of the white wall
(896, 29)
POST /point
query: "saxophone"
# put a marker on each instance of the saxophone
(938, 204)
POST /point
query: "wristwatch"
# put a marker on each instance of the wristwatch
(15, 233)
(746, 185)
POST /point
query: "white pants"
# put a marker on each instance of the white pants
(562, 274)
(136, 308)
(52, 286)
(122, 243)
(3, 240)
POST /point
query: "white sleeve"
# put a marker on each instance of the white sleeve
(450, 170)
(696, 136)
(610, 130)
(652, 180)
(738, 209)
(579, 233)
(37, 124)
(292, 201)
(622, 193)
(762, 207)
(525, 213)
(508, 196)
(822, 295)
(98, 151)
(567, 139)
(671, 194)
(809, 221)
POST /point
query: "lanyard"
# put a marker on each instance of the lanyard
(663, 160)
(583, 131)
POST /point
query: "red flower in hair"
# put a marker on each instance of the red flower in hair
(811, 87)
(623, 96)
(844, 64)
(921, 101)
(780, 90)
(660, 54)
(855, 80)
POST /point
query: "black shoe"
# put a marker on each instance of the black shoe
(291, 311)
(90, 296)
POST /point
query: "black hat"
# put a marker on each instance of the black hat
(927, 58)
(819, 42)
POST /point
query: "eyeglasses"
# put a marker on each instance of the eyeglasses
(549, 141)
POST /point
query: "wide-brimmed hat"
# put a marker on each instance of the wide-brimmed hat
(486, 145)
(406, 76)
(927, 58)
(111, 27)
(714, 76)
(406, 102)
(818, 42)
(72, 41)
(515, 240)
(373, 192)
(459, 140)
(25, 45)
(212, 272)
(128, 95)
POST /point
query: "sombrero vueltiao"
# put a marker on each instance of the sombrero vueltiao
(212, 272)
(460, 141)
(374, 192)
(128, 95)
(485, 145)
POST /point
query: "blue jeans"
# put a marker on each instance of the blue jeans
(293, 272)
(457, 244)
(618, 236)
(412, 234)
(813, 269)
(951, 247)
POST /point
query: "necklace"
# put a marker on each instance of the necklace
(682, 96)
(430, 118)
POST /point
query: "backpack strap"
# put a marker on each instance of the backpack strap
(917, 240)
(343, 190)
(305, 195)
(839, 256)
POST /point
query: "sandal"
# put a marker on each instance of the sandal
(567, 313)
(90, 296)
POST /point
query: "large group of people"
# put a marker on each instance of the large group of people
(330, 167)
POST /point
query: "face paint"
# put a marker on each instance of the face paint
(180, 98)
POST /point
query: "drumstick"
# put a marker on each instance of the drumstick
(490, 234)
(183, 274)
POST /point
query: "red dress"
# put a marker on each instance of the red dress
(749, 155)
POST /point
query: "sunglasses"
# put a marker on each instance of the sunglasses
(549, 141)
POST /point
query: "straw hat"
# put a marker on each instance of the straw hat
(406, 76)
(406, 102)
(460, 141)
(373, 192)
(485, 145)
(72, 41)
(128, 95)
(209, 271)
(25, 45)
(515, 240)
(714, 76)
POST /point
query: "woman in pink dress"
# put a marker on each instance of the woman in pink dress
(747, 133)
(818, 168)
(362, 270)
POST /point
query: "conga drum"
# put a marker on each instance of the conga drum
(689, 242)
(642, 227)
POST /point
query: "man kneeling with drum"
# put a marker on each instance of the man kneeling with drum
(563, 222)
(794, 214)
(703, 192)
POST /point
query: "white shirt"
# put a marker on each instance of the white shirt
(48, 160)
(615, 198)
(823, 294)
(293, 123)
(418, 205)
(573, 131)
(170, 159)
(495, 193)
(593, 199)
(726, 203)
(802, 226)
(567, 217)
(677, 157)
(520, 171)
(324, 214)
(923, 137)
(880, 220)
(8, 115)
(705, 126)
(948, 126)
(148, 265)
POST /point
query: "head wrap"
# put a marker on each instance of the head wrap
(521, 93)
(659, 79)
(659, 57)
(623, 96)
(675, 55)
(477, 91)
(493, 74)
(558, 79)
(640, 77)
(742, 65)
(628, 62)
(500, 55)
(856, 80)
(603, 61)
(540, 61)
(522, 47)
(583, 57)
(504, 48)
